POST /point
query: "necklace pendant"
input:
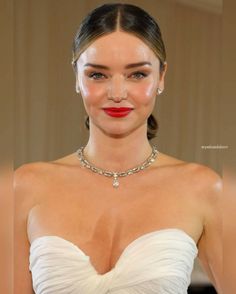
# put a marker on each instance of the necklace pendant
(85, 163)
(115, 182)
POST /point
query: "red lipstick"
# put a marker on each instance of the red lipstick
(117, 111)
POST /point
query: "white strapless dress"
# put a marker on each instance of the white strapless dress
(159, 262)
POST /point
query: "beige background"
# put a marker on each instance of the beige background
(49, 114)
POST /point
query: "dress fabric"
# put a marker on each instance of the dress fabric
(159, 262)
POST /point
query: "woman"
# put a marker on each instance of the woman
(118, 215)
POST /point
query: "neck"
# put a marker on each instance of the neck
(117, 154)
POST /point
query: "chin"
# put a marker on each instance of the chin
(119, 134)
(116, 134)
(119, 129)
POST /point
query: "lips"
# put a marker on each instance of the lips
(118, 111)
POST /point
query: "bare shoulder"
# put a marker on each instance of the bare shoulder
(167, 160)
(209, 181)
(33, 181)
(31, 172)
(207, 187)
(209, 198)
(29, 180)
(25, 179)
(210, 188)
(203, 179)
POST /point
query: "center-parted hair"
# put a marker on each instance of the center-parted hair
(109, 18)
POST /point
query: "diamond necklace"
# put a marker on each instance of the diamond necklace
(116, 175)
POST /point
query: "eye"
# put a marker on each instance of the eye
(96, 75)
(138, 75)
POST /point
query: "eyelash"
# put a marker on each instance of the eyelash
(94, 75)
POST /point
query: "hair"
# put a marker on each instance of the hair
(109, 18)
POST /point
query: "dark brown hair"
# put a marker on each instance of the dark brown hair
(129, 18)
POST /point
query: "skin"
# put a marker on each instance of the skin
(70, 201)
(118, 82)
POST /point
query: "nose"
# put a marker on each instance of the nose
(117, 89)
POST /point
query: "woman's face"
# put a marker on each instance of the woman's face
(118, 71)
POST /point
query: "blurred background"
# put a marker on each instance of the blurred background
(49, 115)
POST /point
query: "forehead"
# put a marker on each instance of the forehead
(118, 46)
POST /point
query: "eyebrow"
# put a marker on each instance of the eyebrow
(131, 65)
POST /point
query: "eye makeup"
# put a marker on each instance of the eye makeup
(137, 75)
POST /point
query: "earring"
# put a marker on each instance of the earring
(159, 91)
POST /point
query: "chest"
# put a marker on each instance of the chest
(102, 224)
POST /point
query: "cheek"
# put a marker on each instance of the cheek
(144, 92)
(91, 92)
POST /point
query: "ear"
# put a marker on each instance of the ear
(77, 88)
(161, 83)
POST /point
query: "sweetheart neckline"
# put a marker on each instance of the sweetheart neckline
(131, 243)
(186, 235)
(136, 239)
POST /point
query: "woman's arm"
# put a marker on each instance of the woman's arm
(23, 202)
(211, 242)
